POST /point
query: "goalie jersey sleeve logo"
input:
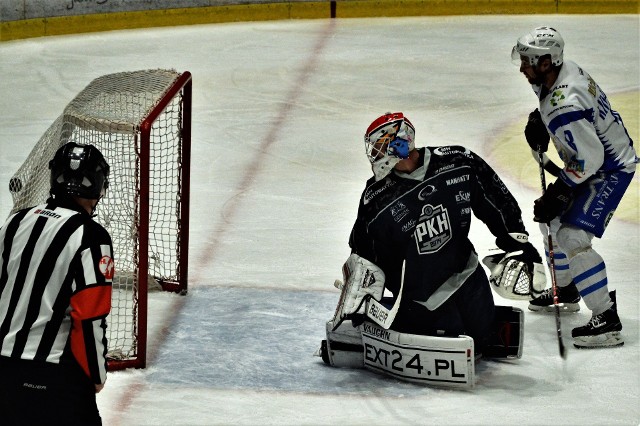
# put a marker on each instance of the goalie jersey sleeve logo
(433, 230)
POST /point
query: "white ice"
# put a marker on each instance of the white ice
(279, 113)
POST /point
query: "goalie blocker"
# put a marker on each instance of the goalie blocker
(438, 361)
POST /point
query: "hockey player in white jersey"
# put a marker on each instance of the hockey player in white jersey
(599, 164)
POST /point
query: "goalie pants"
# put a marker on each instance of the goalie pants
(41, 393)
(469, 311)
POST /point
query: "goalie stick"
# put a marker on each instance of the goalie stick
(552, 267)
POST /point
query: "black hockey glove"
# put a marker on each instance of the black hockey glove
(554, 201)
(529, 253)
(536, 132)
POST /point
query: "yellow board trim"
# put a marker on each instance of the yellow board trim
(51, 26)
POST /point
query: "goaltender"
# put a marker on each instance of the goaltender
(411, 238)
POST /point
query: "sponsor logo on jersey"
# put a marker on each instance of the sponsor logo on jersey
(448, 150)
(465, 211)
(463, 197)
(399, 211)
(457, 180)
(47, 213)
(575, 167)
(370, 194)
(426, 192)
(444, 168)
(106, 267)
(556, 97)
(409, 225)
(433, 230)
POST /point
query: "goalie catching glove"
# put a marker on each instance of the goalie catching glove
(517, 273)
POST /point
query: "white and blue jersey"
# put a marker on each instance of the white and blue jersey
(589, 135)
(593, 143)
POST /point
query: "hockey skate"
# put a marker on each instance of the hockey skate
(568, 298)
(602, 330)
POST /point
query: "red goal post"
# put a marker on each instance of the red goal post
(141, 122)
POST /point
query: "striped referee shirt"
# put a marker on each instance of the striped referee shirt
(55, 287)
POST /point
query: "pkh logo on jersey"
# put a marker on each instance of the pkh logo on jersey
(433, 230)
(556, 97)
(106, 267)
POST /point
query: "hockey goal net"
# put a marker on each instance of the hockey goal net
(141, 122)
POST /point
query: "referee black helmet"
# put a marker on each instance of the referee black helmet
(79, 170)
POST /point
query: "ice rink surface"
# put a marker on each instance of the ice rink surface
(278, 166)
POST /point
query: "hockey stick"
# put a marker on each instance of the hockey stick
(552, 267)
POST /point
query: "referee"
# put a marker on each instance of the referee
(56, 267)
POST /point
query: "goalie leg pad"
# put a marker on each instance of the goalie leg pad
(343, 347)
(437, 361)
(507, 338)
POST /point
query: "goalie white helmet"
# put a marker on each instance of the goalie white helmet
(388, 139)
(512, 279)
(539, 42)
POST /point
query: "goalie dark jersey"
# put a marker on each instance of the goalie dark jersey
(424, 218)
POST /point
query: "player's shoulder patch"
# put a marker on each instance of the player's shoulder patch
(375, 189)
(450, 150)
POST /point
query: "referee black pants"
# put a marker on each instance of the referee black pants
(41, 393)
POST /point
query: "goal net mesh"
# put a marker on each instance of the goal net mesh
(109, 113)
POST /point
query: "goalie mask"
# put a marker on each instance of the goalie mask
(514, 279)
(539, 42)
(388, 139)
